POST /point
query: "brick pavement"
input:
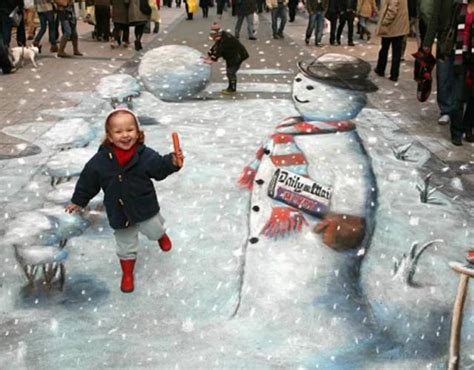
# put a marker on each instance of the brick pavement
(26, 93)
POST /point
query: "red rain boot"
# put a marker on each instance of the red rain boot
(127, 278)
(165, 243)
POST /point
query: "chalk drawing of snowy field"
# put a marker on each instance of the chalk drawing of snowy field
(218, 301)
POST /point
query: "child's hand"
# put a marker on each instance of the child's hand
(178, 159)
(207, 59)
(72, 208)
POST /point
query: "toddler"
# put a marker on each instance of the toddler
(123, 168)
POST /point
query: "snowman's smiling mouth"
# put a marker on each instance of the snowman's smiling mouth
(300, 101)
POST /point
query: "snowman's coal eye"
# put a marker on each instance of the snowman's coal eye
(298, 79)
(309, 87)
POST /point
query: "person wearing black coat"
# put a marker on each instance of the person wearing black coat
(6, 7)
(231, 50)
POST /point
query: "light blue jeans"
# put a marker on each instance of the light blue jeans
(279, 12)
(316, 23)
(47, 21)
(240, 20)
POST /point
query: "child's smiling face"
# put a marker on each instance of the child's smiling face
(122, 130)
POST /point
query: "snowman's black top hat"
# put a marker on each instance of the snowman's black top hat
(338, 70)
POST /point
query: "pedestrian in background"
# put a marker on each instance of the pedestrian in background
(220, 5)
(451, 24)
(439, 26)
(292, 5)
(155, 15)
(30, 15)
(189, 12)
(278, 10)
(204, 5)
(332, 15)
(414, 29)
(6, 8)
(347, 11)
(365, 10)
(393, 25)
(121, 31)
(316, 10)
(102, 20)
(47, 20)
(244, 9)
(68, 20)
(6, 59)
(138, 19)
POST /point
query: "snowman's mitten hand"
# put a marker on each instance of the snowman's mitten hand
(340, 231)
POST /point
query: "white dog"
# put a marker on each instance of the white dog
(21, 53)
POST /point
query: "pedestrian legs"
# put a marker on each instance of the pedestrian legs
(238, 26)
(310, 28)
(319, 27)
(333, 20)
(250, 28)
(383, 56)
(231, 72)
(468, 120)
(283, 17)
(46, 20)
(396, 57)
(292, 4)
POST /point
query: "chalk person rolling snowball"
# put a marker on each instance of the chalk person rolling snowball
(231, 50)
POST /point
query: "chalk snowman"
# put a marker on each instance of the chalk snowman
(320, 144)
(319, 151)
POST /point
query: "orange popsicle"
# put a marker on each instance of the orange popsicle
(177, 148)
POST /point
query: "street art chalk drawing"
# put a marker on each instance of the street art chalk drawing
(315, 252)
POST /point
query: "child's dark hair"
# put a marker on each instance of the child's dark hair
(141, 134)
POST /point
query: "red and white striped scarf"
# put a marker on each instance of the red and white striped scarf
(285, 153)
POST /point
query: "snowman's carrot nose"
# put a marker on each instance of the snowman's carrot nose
(177, 148)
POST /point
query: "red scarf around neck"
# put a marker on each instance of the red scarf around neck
(124, 156)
